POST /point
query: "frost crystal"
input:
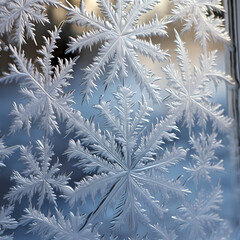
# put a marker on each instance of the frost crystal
(5, 152)
(200, 217)
(163, 233)
(119, 34)
(43, 89)
(22, 15)
(7, 222)
(128, 176)
(200, 14)
(204, 161)
(190, 92)
(129, 173)
(57, 226)
(40, 176)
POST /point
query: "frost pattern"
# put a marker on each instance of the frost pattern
(119, 32)
(43, 89)
(163, 233)
(59, 227)
(128, 175)
(200, 15)
(204, 160)
(7, 222)
(200, 216)
(134, 174)
(190, 93)
(5, 152)
(39, 176)
(21, 16)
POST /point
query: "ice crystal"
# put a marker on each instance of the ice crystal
(204, 160)
(5, 152)
(7, 222)
(201, 15)
(57, 226)
(40, 175)
(119, 34)
(21, 16)
(200, 217)
(128, 172)
(163, 233)
(190, 92)
(43, 89)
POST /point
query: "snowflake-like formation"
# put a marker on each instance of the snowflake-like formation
(200, 14)
(121, 37)
(5, 152)
(42, 87)
(39, 176)
(190, 91)
(128, 171)
(199, 218)
(57, 226)
(21, 16)
(204, 160)
(7, 222)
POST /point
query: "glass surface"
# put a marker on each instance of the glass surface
(9, 93)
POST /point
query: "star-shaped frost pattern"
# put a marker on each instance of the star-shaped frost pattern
(121, 37)
(200, 14)
(42, 86)
(40, 176)
(204, 160)
(190, 93)
(7, 222)
(199, 218)
(128, 172)
(57, 226)
(20, 16)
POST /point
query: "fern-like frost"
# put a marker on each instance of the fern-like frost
(58, 226)
(128, 172)
(199, 14)
(5, 152)
(118, 34)
(43, 89)
(200, 217)
(20, 17)
(39, 176)
(7, 222)
(190, 92)
(204, 160)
